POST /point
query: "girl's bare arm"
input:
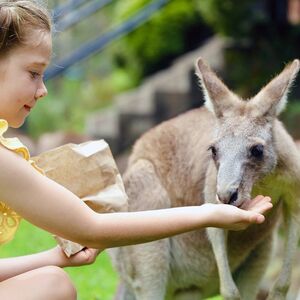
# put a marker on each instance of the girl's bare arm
(50, 206)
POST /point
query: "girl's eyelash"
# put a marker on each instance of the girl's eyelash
(35, 74)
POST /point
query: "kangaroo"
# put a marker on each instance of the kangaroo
(228, 152)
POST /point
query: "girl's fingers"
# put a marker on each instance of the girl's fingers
(254, 218)
(247, 205)
(263, 207)
(257, 199)
(257, 207)
(258, 204)
(259, 219)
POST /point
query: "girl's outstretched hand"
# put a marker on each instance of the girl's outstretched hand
(233, 218)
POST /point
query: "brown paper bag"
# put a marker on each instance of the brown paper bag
(89, 171)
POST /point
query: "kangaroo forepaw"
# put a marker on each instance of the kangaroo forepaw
(232, 297)
(232, 294)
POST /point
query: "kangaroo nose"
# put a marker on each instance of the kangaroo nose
(233, 197)
(228, 197)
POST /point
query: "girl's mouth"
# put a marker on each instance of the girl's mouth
(27, 107)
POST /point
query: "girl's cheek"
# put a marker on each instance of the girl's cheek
(19, 101)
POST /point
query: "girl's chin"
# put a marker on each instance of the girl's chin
(16, 123)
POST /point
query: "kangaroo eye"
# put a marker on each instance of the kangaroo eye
(213, 151)
(257, 151)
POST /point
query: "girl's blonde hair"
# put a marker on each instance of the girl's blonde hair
(17, 18)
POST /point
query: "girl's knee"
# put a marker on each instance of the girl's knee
(58, 283)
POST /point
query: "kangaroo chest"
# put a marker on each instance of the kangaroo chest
(193, 263)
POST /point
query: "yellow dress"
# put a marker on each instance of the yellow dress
(9, 219)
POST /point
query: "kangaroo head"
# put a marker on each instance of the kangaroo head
(243, 149)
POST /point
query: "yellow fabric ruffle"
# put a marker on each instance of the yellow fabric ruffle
(10, 220)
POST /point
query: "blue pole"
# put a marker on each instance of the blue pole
(98, 44)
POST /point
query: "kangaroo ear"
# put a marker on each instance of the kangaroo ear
(271, 100)
(218, 98)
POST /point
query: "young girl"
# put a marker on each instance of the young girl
(25, 51)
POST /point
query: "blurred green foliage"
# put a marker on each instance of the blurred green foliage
(291, 118)
(229, 17)
(175, 29)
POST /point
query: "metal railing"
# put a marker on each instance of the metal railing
(62, 10)
(95, 46)
(76, 15)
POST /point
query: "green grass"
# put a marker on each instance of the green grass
(93, 282)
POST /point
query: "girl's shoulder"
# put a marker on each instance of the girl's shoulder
(10, 219)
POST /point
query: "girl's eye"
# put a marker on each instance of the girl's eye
(35, 75)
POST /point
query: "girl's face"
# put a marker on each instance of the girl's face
(21, 78)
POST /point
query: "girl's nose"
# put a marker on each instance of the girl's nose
(41, 92)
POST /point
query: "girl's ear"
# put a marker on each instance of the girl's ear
(272, 99)
(218, 98)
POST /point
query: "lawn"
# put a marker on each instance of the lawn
(93, 282)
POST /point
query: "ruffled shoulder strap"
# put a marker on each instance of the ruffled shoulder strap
(9, 219)
(15, 145)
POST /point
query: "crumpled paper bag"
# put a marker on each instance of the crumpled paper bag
(90, 172)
